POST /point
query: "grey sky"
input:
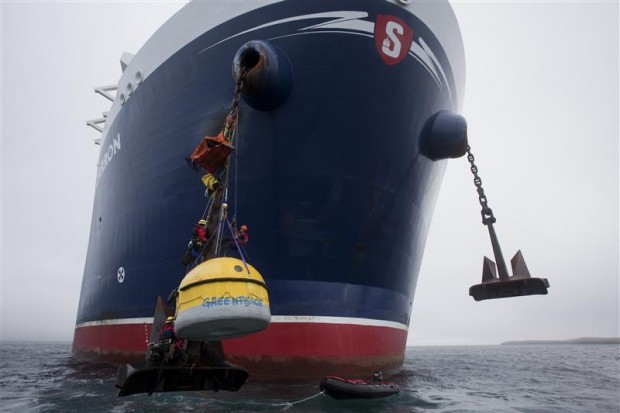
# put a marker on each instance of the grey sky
(542, 108)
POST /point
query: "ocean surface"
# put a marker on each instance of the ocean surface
(44, 377)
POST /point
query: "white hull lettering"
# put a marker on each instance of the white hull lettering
(108, 155)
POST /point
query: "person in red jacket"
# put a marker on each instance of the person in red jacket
(200, 237)
(171, 342)
(242, 235)
(200, 233)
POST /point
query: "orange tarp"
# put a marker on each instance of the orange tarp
(211, 153)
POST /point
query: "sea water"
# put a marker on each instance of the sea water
(44, 377)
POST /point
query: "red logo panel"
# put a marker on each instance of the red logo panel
(392, 38)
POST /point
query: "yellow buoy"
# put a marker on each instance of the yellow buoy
(221, 298)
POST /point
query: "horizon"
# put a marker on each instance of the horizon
(408, 345)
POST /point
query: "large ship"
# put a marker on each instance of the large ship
(329, 174)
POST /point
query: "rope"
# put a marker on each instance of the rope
(288, 405)
(211, 202)
(231, 131)
(218, 240)
(232, 232)
(222, 211)
(245, 253)
(207, 210)
(235, 136)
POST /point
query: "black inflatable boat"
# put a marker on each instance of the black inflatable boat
(340, 388)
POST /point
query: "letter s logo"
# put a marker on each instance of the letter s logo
(392, 38)
(391, 45)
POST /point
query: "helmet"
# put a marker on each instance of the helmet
(169, 319)
(244, 227)
(202, 222)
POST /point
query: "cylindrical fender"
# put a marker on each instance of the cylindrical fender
(269, 79)
(444, 136)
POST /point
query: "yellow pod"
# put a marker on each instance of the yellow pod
(222, 298)
(210, 182)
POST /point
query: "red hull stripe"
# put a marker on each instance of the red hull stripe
(112, 338)
(297, 339)
(322, 340)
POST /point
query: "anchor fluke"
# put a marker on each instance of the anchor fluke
(489, 272)
(520, 283)
(518, 265)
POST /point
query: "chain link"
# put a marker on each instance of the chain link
(486, 212)
(234, 109)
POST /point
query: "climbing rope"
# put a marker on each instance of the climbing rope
(245, 253)
(220, 228)
(234, 236)
(207, 212)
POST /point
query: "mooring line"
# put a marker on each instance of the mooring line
(288, 405)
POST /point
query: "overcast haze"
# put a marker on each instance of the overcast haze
(542, 108)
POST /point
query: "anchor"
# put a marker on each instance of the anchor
(504, 285)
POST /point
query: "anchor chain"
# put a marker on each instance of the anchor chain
(488, 218)
(486, 212)
(231, 119)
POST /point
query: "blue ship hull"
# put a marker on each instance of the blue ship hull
(332, 185)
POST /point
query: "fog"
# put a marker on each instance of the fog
(542, 108)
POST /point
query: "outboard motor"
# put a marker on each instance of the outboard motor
(268, 77)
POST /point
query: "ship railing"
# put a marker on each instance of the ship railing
(99, 123)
